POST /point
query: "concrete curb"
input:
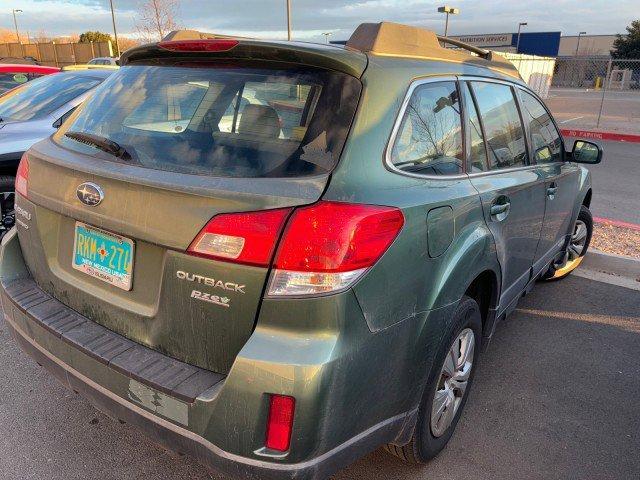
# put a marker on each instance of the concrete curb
(625, 269)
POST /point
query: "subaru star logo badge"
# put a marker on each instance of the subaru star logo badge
(90, 194)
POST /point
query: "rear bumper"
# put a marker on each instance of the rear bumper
(185, 441)
(165, 417)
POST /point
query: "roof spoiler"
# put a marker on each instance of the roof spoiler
(394, 39)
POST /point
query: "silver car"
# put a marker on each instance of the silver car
(32, 112)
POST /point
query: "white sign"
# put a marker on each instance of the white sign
(492, 40)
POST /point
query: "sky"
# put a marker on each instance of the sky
(267, 18)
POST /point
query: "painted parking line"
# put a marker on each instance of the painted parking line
(617, 223)
(572, 119)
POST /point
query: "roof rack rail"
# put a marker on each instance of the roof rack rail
(397, 40)
(481, 52)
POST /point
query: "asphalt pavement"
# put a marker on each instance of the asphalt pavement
(580, 108)
(616, 181)
(555, 397)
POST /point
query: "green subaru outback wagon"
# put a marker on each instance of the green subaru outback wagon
(277, 256)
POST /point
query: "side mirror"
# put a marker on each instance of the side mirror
(586, 152)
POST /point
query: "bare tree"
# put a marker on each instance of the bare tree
(156, 18)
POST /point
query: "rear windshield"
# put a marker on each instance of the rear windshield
(43, 96)
(227, 121)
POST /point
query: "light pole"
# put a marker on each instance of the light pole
(327, 35)
(520, 25)
(578, 45)
(448, 10)
(289, 20)
(15, 22)
(115, 33)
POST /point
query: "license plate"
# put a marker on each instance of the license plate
(103, 255)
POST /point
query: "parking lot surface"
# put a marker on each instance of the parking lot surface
(615, 182)
(555, 397)
(579, 108)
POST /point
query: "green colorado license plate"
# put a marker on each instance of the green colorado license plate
(103, 255)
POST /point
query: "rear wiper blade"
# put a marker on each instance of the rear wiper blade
(101, 143)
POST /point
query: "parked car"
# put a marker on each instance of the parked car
(104, 61)
(86, 66)
(12, 76)
(27, 60)
(279, 304)
(32, 112)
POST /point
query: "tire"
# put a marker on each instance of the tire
(578, 248)
(7, 196)
(426, 442)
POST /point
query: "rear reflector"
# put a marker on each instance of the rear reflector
(248, 238)
(327, 246)
(279, 422)
(211, 45)
(22, 176)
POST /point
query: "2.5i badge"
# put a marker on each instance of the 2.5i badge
(215, 299)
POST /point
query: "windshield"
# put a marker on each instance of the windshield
(233, 121)
(43, 96)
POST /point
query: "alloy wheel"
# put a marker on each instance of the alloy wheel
(453, 381)
(578, 240)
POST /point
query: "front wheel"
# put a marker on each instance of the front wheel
(577, 248)
(448, 386)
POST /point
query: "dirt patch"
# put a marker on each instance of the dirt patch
(619, 240)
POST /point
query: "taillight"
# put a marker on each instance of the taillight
(280, 422)
(248, 238)
(22, 176)
(327, 246)
(205, 45)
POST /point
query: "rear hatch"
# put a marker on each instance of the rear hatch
(137, 218)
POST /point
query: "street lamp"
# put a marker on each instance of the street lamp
(448, 10)
(15, 22)
(289, 20)
(578, 45)
(520, 25)
(115, 33)
(327, 35)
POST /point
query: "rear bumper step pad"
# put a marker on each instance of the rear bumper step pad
(136, 361)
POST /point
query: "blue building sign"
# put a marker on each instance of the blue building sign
(544, 44)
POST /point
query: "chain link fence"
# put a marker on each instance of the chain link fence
(592, 92)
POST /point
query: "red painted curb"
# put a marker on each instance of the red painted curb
(616, 137)
(617, 223)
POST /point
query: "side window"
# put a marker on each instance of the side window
(502, 126)
(429, 140)
(546, 143)
(478, 152)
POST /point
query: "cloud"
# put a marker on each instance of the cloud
(267, 18)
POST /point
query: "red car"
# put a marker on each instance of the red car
(12, 76)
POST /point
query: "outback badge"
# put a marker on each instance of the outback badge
(90, 194)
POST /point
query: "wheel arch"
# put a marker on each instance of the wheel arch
(484, 289)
